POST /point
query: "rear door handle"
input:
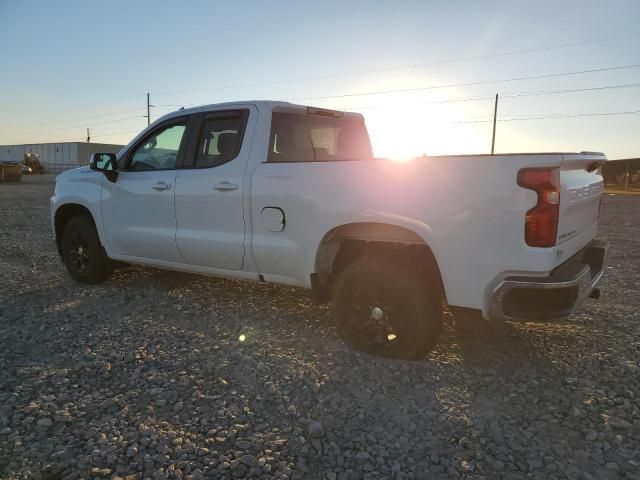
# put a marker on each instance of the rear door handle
(225, 186)
(161, 186)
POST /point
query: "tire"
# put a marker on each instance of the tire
(409, 320)
(82, 252)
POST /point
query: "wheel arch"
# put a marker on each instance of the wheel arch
(345, 243)
(66, 212)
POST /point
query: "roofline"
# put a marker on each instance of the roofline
(58, 143)
(260, 104)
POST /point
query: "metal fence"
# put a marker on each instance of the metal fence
(60, 167)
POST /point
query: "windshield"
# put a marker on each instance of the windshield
(315, 138)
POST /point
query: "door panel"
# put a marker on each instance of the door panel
(138, 209)
(209, 200)
(139, 220)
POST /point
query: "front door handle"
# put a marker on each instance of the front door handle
(161, 186)
(225, 186)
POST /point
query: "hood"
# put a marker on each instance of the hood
(74, 173)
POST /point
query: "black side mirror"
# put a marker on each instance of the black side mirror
(105, 163)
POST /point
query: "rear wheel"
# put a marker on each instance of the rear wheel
(82, 252)
(386, 310)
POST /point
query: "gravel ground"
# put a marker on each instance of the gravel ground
(145, 376)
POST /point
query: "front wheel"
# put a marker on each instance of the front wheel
(386, 310)
(82, 252)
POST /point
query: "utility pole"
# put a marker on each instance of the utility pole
(495, 114)
(626, 177)
(88, 135)
(148, 110)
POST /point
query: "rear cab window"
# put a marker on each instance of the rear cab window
(321, 136)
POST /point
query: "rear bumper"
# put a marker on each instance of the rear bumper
(555, 296)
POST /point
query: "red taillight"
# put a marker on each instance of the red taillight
(541, 222)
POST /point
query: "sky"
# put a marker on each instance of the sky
(71, 65)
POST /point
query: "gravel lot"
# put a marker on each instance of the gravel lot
(145, 377)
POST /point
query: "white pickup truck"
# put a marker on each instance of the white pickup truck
(275, 192)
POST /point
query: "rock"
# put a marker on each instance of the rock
(107, 403)
(159, 387)
(464, 442)
(535, 464)
(243, 444)
(239, 469)
(45, 422)
(616, 423)
(315, 429)
(248, 460)
(161, 458)
(202, 451)
(100, 472)
(160, 474)
(362, 457)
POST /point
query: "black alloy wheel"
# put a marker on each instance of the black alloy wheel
(82, 252)
(384, 309)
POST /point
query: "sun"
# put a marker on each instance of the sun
(408, 125)
(405, 131)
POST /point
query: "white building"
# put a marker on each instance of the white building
(57, 157)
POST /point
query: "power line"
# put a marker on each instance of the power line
(545, 117)
(468, 84)
(77, 139)
(505, 95)
(571, 90)
(472, 99)
(402, 67)
(118, 133)
(360, 72)
(73, 119)
(553, 117)
(454, 100)
(79, 126)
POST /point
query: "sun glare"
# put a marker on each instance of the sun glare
(404, 126)
(402, 132)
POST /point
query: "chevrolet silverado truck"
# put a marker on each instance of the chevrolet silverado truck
(280, 193)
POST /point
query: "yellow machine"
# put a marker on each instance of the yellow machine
(10, 171)
(32, 161)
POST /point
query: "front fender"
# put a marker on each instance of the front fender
(81, 187)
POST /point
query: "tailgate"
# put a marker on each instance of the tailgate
(581, 188)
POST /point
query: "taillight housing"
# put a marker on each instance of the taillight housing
(541, 222)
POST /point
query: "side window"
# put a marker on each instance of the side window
(159, 151)
(220, 139)
(299, 137)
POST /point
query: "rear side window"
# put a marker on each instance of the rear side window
(220, 138)
(315, 138)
